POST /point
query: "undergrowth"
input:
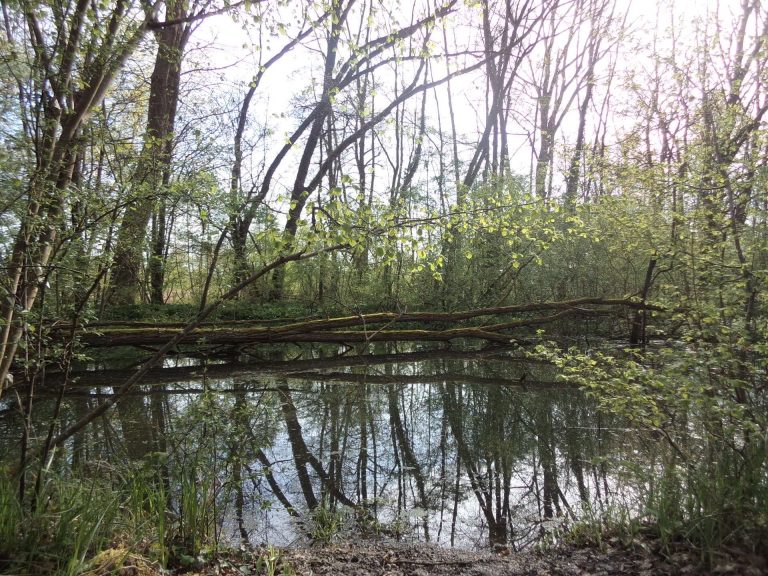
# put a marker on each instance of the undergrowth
(704, 484)
(72, 520)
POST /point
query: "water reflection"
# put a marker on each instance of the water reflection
(469, 449)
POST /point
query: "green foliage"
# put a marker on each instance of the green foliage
(233, 310)
(11, 516)
(326, 524)
(167, 507)
(271, 563)
(70, 520)
(151, 313)
(197, 510)
(684, 188)
(595, 527)
(707, 482)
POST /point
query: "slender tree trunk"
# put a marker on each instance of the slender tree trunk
(299, 193)
(158, 254)
(62, 112)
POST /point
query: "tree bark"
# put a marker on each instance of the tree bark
(152, 174)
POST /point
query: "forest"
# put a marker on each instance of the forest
(512, 241)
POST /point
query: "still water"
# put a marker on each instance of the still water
(459, 448)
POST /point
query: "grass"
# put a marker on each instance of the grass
(73, 520)
(271, 563)
(325, 524)
(595, 527)
(67, 523)
(234, 310)
(715, 508)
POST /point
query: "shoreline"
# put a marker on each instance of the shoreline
(640, 557)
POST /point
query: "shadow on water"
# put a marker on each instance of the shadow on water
(477, 448)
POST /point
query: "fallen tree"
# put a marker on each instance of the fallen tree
(198, 331)
(375, 327)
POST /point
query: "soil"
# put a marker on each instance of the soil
(614, 558)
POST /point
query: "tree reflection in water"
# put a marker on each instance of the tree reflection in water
(459, 448)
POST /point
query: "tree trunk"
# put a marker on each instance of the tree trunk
(299, 193)
(152, 172)
(637, 335)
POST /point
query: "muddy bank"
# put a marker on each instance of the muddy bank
(637, 559)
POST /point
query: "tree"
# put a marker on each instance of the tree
(246, 201)
(74, 58)
(370, 56)
(152, 174)
(564, 70)
(509, 38)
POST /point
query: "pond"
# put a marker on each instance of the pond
(470, 448)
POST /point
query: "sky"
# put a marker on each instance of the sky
(229, 50)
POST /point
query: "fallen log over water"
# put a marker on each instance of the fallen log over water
(375, 327)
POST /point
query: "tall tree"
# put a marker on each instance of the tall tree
(563, 72)
(601, 15)
(245, 198)
(509, 37)
(153, 170)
